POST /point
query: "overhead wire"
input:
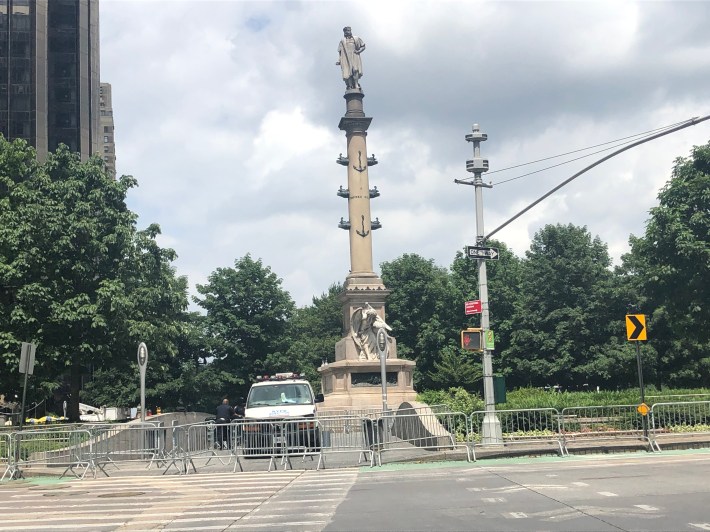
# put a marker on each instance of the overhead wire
(616, 143)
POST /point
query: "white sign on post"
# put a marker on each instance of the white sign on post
(27, 358)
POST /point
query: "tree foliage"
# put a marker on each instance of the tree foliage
(77, 277)
(312, 335)
(422, 311)
(247, 315)
(561, 313)
(671, 264)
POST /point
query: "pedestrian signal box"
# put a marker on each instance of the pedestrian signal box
(472, 339)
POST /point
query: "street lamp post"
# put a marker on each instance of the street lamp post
(491, 431)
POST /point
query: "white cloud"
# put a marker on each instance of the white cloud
(283, 139)
(227, 115)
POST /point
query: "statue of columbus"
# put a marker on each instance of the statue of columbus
(349, 51)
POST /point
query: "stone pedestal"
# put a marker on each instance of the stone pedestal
(352, 383)
(349, 383)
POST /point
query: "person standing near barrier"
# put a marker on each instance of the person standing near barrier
(225, 413)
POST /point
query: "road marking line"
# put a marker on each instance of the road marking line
(646, 507)
(518, 515)
(544, 487)
(701, 526)
(607, 494)
(493, 499)
(580, 484)
(303, 501)
(276, 516)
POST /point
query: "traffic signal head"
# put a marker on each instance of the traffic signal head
(472, 339)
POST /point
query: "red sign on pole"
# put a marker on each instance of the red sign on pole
(472, 307)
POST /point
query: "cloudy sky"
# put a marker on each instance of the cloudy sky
(227, 114)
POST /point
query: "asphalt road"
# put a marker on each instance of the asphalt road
(639, 491)
(620, 492)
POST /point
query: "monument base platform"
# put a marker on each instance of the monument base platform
(357, 384)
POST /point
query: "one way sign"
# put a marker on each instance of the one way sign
(479, 252)
(636, 327)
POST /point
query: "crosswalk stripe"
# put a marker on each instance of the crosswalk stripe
(276, 500)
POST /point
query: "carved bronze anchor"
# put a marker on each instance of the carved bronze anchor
(364, 233)
(361, 168)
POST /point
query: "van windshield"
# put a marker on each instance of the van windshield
(279, 394)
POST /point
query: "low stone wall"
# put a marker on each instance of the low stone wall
(416, 423)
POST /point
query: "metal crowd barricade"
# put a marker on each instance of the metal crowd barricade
(420, 428)
(197, 442)
(347, 434)
(687, 419)
(279, 439)
(71, 449)
(116, 444)
(6, 455)
(524, 426)
(580, 424)
(175, 449)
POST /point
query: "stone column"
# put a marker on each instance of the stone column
(355, 125)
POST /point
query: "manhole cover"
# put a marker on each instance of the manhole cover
(122, 494)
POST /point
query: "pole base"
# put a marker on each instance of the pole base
(490, 430)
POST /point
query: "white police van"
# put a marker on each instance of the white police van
(282, 409)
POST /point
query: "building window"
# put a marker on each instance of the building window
(105, 138)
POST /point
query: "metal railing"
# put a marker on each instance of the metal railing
(680, 419)
(6, 462)
(612, 422)
(532, 425)
(70, 449)
(279, 439)
(422, 429)
(369, 433)
(347, 434)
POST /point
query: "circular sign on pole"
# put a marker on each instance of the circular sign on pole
(382, 343)
(142, 355)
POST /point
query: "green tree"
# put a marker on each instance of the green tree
(247, 318)
(312, 334)
(456, 368)
(671, 265)
(562, 312)
(422, 311)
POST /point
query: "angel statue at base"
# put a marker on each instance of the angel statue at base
(365, 323)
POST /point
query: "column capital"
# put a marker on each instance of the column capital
(354, 124)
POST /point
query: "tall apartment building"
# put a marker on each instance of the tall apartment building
(106, 123)
(49, 74)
